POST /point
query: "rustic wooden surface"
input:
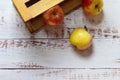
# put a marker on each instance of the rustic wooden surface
(48, 55)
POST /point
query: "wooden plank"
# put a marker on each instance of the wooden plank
(51, 54)
(38, 8)
(69, 5)
(33, 11)
(42, 6)
(61, 74)
(22, 9)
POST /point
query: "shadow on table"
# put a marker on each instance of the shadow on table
(54, 31)
(95, 20)
(85, 53)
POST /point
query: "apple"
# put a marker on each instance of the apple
(53, 16)
(92, 7)
(81, 38)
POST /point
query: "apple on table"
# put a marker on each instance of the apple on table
(81, 38)
(53, 16)
(92, 7)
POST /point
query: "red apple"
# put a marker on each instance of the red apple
(92, 7)
(54, 16)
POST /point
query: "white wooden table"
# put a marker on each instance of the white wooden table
(48, 54)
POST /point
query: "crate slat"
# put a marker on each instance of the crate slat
(33, 20)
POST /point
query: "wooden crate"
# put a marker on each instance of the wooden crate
(31, 10)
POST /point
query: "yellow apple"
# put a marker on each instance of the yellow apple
(92, 7)
(81, 38)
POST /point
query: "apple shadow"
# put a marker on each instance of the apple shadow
(85, 53)
(54, 31)
(95, 20)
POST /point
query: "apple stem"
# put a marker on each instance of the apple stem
(54, 13)
(85, 28)
(96, 6)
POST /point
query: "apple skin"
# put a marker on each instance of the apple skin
(86, 47)
(92, 7)
(54, 16)
(81, 38)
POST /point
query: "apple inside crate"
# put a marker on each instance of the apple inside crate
(31, 10)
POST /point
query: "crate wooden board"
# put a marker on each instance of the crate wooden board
(36, 8)
(38, 56)
(34, 20)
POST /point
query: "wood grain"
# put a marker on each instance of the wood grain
(27, 13)
(61, 74)
(48, 54)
